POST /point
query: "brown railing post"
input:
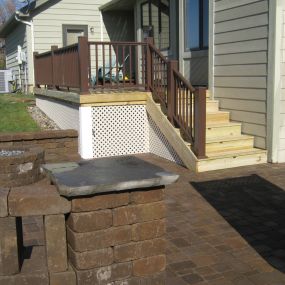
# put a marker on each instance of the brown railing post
(83, 51)
(35, 69)
(53, 59)
(149, 65)
(199, 147)
(171, 90)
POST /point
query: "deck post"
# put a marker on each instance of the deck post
(199, 146)
(53, 64)
(35, 69)
(171, 90)
(149, 64)
(83, 52)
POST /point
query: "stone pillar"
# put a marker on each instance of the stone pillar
(118, 238)
(55, 236)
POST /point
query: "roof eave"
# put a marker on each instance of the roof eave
(5, 29)
(12, 22)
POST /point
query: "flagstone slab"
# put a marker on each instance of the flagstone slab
(110, 174)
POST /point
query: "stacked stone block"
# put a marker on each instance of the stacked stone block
(118, 238)
(114, 238)
(21, 169)
(59, 145)
(44, 267)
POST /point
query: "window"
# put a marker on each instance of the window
(155, 21)
(196, 24)
(72, 32)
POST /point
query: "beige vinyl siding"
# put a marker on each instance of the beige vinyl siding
(281, 154)
(17, 37)
(48, 23)
(240, 63)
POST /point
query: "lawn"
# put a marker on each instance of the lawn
(14, 116)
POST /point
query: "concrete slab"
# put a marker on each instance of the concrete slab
(110, 174)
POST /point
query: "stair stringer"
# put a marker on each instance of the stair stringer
(172, 135)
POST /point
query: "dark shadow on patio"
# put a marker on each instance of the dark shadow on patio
(255, 208)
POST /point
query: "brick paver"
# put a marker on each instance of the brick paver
(224, 227)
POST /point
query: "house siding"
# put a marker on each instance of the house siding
(49, 20)
(281, 154)
(240, 63)
(17, 37)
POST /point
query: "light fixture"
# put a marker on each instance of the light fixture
(92, 30)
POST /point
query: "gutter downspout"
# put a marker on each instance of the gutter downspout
(31, 25)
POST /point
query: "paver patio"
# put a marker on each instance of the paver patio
(223, 227)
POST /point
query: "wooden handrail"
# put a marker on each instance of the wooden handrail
(185, 105)
(182, 79)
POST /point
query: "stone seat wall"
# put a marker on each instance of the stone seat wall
(111, 238)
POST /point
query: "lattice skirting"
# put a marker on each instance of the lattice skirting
(159, 145)
(119, 130)
(123, 130)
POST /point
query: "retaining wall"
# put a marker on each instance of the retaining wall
(59, 145)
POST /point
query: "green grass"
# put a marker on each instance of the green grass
(14, 116)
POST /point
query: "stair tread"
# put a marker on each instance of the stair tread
(220, 125)
(218, 112)
(229, 138)
(230, 153)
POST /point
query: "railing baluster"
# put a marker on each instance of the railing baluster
(123, 62)
(96, 65)
(117, 65)
(89, 66)
(130, 64)
(144, 64)
(103, 71)
(137, 65)
(110, 64)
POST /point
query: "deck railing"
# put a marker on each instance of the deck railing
(185, 105)
(112, 65)
(117, 65)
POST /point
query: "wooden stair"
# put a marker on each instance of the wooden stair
(226, 146)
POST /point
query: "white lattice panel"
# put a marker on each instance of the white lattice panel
(119, 130)
(159, 145)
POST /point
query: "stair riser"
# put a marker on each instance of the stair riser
(212, 106)
(230, 162)
(229, 145)
(214, 132)
(208, 95)
(216, 118)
